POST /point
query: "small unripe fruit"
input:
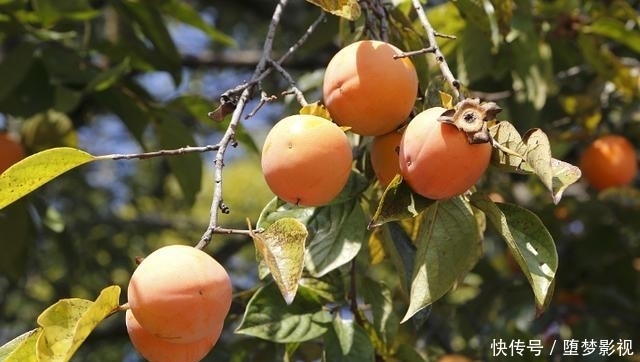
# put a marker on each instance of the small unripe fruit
(180, 293)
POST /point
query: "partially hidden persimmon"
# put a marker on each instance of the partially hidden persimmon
(155, 349)
(10, 151)
(436, 159)
(609, 161)
(367, 89)
(384, 156)
(306, 160)
(180, 294)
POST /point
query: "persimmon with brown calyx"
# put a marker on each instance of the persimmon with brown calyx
(367, 89)
(384, 157)
(180, 294)
(609, 161)
(306, 160)
(155, 349)
(10, 151)
(436, 159)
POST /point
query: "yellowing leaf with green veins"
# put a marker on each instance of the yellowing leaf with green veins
(34, 171)
(348, 9)
(67, 323)
(281, 246)
(21, 348)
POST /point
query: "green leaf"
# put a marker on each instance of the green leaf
(21, 348)
(15, 240)
(406, 353)
(133, 113)
(277, 209)
(530, 243)
(109, 77)
(67, 323)
(281, 245)
(401, 251)
(14, 67)
(187, 168)
(538, 155)
(34, 171)
(34, 93)
(448, 248)
(336, 235)
(615, 30)
(328, 289)
(267, 316)
(377, 295)
(183, 12)
(348, 9)
(398, 202)
(48, 130)
(52, 11)
(347, 341)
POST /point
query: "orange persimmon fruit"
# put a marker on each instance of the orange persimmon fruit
(609, 161)
(10, 151)
(384, 157)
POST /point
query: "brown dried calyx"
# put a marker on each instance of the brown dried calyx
(471, 117)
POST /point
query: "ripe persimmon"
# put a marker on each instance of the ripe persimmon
(306, 160)
(180, 293)
(454, 357)
(366, 89)
(384, 156)
(10, 152)
(609, 161)
(436, 159)
(155, 349)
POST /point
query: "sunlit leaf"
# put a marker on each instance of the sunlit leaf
(376, 247)
(67, 323)
(329, 288)
(529, 242)
(36, 170)
(617, 31)
(564, 175)
(277, 209)
(281, 245)
(347, 341)
(21, 348)
(398, 202)
(316, 109)
(268, 317)
(447, 100)
(538, 155)
(348, 9)
(336, 234)
(448, 248)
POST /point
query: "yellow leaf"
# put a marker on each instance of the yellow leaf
(348, 9)
(316, 109)
(68, 322)
(376, 249)
(281, 246)
(446, 99)
(21, 348)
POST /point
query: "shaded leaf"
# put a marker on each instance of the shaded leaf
(448, 247)
(529, 242)
(399, 246)
(268, 317)
(21, 348)
(48, 130)
(336, 235)
(379, 297)
(15, 240)
(347, 341)
(14, 67)
(281, 245)
(615, 30)
(67, 323)
(34, 171)
(398, 202)
(109, 77)
(329, 288)
(348, 9)
(187, 168)
(277, 209)
(182, 11)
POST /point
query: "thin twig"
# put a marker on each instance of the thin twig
(442, 63)
(229, 134)
(292, 82)
(160, 153)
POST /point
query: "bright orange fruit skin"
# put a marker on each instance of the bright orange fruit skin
(306, 160)
(436, 159)
(609, 161)
(180, 293)
(366, 89)
(155, 349)
(10, 152)
(384, 157)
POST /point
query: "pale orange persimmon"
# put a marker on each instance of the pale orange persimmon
(180, 293)
(454, 357)
(609, 161)
(155, 349)
(10, 151)
(306, 160)
(384, 157)
(436, 159)
(366, 89)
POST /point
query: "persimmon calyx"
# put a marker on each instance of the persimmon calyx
(471, 117)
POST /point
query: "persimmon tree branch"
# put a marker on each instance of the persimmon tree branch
(160, 153)
(435, 49)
